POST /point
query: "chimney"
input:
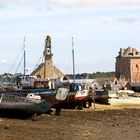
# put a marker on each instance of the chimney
(128, 51)
(134, 51)
(121, 52)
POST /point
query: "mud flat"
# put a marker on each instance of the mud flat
(118, 121)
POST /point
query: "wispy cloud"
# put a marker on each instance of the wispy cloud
(3, 61)
(73, 3)
(16, 1)
(6, 3)
(23, 9)
(130, 20)
(95, 3)
(13, 2)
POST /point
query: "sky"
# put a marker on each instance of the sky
(99, 28)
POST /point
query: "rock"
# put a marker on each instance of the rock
(7, 126)
(34, 117)
(87, 134)
(113, 125)
(134, 115)
(1, 120)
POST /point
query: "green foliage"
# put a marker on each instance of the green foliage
(92, 75)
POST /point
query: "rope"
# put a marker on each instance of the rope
(14, 62)
(39, 60)
(19, 64)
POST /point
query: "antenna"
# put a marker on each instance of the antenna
(24, 56)
(73, 59)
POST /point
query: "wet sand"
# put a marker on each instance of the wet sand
(105, 122)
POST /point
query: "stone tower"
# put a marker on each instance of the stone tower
(47, 70)
(48, 62)
(128, 65)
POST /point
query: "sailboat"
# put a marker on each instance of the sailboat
(22, 102)
(78, 93)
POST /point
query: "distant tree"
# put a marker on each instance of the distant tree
(92, 75)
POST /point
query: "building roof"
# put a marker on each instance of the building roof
(55, 69)
(129, 53)
(37, 69)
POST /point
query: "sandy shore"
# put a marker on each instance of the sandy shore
(118, 121)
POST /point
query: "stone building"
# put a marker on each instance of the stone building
(47, 70)
(128, 65)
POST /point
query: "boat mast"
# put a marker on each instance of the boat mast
(73, 60)
(24, 57)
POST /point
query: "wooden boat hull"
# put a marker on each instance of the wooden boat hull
(46, 94)
(27, 108)
(81, 95)
(81, 98)
(49, 98)
(15, 104)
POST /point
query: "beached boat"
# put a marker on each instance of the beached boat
(31, 104)
(51, 96)
(77, 95)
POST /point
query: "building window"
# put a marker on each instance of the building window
(48, 51)
(137, 66)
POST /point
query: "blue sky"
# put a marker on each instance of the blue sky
(100, 28)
